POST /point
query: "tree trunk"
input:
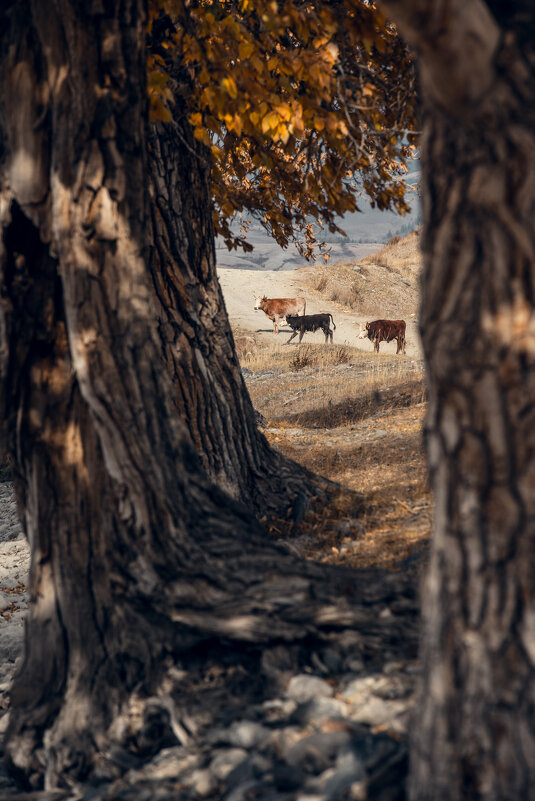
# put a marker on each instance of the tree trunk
(196, 338)
(138, 559)
(474, 735)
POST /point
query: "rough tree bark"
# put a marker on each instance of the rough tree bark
(474, 736)
(195, 333)
(137, 557)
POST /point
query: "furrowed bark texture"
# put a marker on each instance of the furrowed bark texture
(474, 736)
(194, 329)
(137, 558)
(196, 338)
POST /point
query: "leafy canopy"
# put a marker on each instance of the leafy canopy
(301, 106)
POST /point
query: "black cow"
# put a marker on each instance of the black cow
(310, 322)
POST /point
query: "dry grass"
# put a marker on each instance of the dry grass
(382, 284)
(390, 475)
(281, 357)
(399, 255)
(327, 385)
(338, 283)
(356, 422)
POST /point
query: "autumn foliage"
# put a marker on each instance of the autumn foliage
(301, 106)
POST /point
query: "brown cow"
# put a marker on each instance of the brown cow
(384, 330)
(277, 308)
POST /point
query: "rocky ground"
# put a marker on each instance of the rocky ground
(329, 723)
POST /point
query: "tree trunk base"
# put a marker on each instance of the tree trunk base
(325, 616)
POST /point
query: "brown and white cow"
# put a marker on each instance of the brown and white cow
(277, 308)
(384, 331)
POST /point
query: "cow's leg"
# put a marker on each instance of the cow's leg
(275, 325)
(301, 333)
(376, 345)
(294, 334)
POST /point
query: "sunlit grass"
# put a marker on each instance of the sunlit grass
(356, 420)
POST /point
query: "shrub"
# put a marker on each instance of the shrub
(303, 358)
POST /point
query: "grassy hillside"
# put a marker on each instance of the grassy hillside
(383, 284)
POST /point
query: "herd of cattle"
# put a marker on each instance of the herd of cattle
(293, 311)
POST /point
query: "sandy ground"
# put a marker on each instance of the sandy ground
(240, 286)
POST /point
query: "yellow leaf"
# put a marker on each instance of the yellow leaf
(229, 85)
(202, 135)
(270, 121)
(159, 112)
(237, 124)
(283, 133)
(283, 111)
(246, 49)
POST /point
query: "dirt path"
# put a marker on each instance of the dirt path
(240, 286)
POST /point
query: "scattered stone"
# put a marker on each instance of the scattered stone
(307, 757)
(348, 770)
(202, 782)
(226, 761)
(350, 527)
(253, 767)
(303, 688)
(278, 710)
(354, 664)
(242, 734)
(318, 709)
(168, 763)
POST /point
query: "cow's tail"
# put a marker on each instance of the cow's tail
(330, 315)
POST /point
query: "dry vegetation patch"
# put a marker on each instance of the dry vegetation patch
(355, 419)
(382, 284)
